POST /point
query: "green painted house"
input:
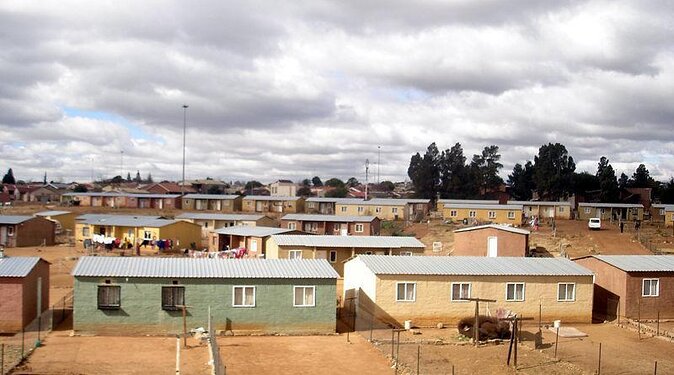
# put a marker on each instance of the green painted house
(137, 295)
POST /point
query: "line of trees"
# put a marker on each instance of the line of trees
(552, 176)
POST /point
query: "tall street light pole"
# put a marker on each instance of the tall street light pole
(121, 165)
(378, 162)
(182, 185)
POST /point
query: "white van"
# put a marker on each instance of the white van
(594, 223)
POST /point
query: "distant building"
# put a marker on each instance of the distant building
(65, 220)
(283, 188)
(212, 202)
(273, 204)
(484, 213)
(333, 224)
(24, 290)
(491, 241)
(545, 209)
(169, 188)
(253, 239)
(611, 211)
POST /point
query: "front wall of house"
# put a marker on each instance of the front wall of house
(433, 302)
(11, 311)
(382, 212)
(585, 213)
(474, 243)
(182, 231)
(30, 291)
(35, 231)
(610, 284)
(67, 221)
(669, 218)
(141, 311)
(648, 307)
(546, 212)
(482, 215)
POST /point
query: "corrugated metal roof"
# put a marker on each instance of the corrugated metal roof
(486, 206)
(14, 219)
(153, 196)
(494, 226)
(129, 221)
(222, 217)
(667, 207)
(51, 213)
(540, 203)
(269, 198)
(95, 194)
(384, 242)
(335, 218)
(640, 263)
(243, 230)
(467, 201)
(17, 266)
(472, 266)
(204, 268)
(381, 201)
(611, 205)
(89, 217)
(323, 199)
(212, 196)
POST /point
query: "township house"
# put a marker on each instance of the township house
(320, 205)
(659, 212)
(211, 221)
(491, 241)
(384, 208)
(332, 224)
(545, 210)
(283, 188)
(611, 211)
(632, 285)
(483, 213)
(212, 202)
(24, 230)
(428, 290)
(24, 291)
(168, 188)
(338, 249)
(143, 295)
(440, 204)
(115, 199)
(65, 220)
(136, 228)
(273, 204)
(254, 239)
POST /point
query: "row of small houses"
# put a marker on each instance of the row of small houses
(143, 295)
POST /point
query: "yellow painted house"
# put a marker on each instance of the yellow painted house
(611, 211)
(669, 216)
(484, 213)
(383, 208)
(65, 220)
(442, 202)
(135, 228)
(545, 209)
(429, 290)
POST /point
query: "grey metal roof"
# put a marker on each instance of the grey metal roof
(14, 219)
(640, 263)
(381, 201)
(244, 230)
(467, 201)
(486, 206)
(211, 196)
(665, 206)
(494, 226)
(384, 242)
(471, 266)
(95, 194)
(270, 198)
(222, 217)
(611, 205)
(335, 218)
(153, 196)
(540, 203)
(129, 221)
(323, 199)
(51, 213)
(17, 266)
(89, 217)
(204, 268)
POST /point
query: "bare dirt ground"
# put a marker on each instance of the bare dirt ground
(324, 355)
(62, 354)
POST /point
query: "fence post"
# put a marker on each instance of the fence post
(371, 325)
(657, 325)
(599, 364)
(556, 341)
(418, 357)
(39, 326)
(398, 351)
(655, 370)
(639, 317)
(393, 340)
(23, 334)
(2, 359)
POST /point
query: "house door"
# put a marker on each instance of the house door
(551, 212)
(258, 206)
(492, 247)
(253, 246)
(3, 235)
(161, 204)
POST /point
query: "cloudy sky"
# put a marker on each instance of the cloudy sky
(292, 89)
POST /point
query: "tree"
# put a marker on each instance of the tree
(553, 171)
(485, 168)
(623, 181)
(128, 176)
(44, 180)
(351, 182)
(117, 180)
(641, 178)
(667, 192)
(9, 177)
(306, 182)
(425, 172)
(337, 192)
(521, 181)
(453, 172)
(214, 189)
(149, 178)
(79, 188)
(334, 182)
(584, 182)
(250, 185)
(608, 184)
(137, 178)
(316, 181)
(304, 191)
(387, 185)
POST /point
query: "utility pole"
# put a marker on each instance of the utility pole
(378, 162)
(182, 185)
(121, 165)
(367, 170)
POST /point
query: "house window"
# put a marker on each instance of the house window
(394, 210)
(566, 292)
(588, 210)
(672, 217)
(360, 209)
(333, 256)
(511, 214)
(109, 297)
(471, 214)
(406, 292)
(304, 296)
(172, 297)
(147, 235)
(243, 296)
(406, 253)
(343, 208)
(492, 214)
(515, 292)
(292, 225)
(377, 210)
(206, 224)
(86, 231)
(460, 290)
(651, 288)
(295, 254)
(561, 209)
(662, 212)
(10, 230)
(310, 205)
(359, 228)
(453, 213)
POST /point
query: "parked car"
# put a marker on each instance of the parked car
(594, 223)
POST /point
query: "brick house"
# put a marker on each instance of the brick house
(21, 231)
(24, 290)
(491, 241)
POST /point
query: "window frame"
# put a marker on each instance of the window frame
(588, 210)
(406, 283)
(86, 229)
(342, 208)
(405, 253)
(362, 228)
(573, 295)
(330, 256)
(173, 307)
(491, 214)
(451, 291)
(360, 209)
(292, 225)
(295, 251)
(511, 214)
(514, 299)
(243, 299)
(472, 213)
(394, 210)
(313, 287)
(453, 213)
(108, 306)
(650, 280)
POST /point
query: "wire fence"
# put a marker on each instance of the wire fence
(14, 349)
(218, 366)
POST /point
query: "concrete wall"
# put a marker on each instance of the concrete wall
(141, 311)
(30, 295)
(474, 243)
(280, 206)
(482, 215)
(67, 221)
(546, 211)
(225, 205)
(585, 213)
(610, 285)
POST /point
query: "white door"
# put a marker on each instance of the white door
(492, 247)
(3, 235)
(253, 246)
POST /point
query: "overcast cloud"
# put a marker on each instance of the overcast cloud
(302, 88)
